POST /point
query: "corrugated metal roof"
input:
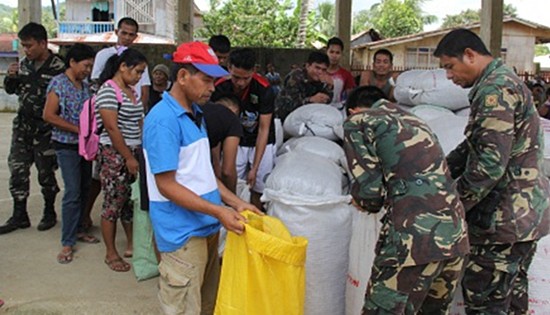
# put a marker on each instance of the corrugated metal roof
(414, 37)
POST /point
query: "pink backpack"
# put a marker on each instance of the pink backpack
(88, 135)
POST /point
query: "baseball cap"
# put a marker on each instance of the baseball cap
(201, 56)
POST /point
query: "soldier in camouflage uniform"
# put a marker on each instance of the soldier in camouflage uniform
(397, 163)
(31, 136)
(498, 174)
(304, 86)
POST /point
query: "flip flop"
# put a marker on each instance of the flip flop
(90, 239)
(118, 265)
(128, 254)
(65, 257)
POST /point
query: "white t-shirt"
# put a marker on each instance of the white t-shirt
(99, 64)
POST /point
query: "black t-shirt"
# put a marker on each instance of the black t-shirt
(155, 96)
(257, 100)
(221, 123)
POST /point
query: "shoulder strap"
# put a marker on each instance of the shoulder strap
(118, 91)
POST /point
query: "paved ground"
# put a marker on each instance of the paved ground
(31, 280)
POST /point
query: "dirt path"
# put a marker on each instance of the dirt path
(31, 280)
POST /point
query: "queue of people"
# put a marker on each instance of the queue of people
(472, 217)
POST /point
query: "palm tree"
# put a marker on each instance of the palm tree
(302, 26)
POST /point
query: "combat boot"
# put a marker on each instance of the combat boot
(19, 219)
(49, 219)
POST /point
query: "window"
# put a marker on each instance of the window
(421, 58)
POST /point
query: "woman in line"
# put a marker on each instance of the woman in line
(66, 94)
(119, 145)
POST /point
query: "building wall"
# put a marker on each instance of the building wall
(81, 10)
(519, 41)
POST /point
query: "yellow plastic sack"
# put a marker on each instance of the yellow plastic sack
(263, 270)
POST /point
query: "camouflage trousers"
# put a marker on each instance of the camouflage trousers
(423, 289)
(495, 279)
(31, 143)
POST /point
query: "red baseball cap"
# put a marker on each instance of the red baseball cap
(201, 56)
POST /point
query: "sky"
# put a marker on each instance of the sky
(533, 10)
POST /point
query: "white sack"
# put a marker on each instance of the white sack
(316, 145)
(306, 175)
(364, 235)
(539, 279)
(449, 131)
(463, 112)
(279, 133)
(429, 112)
(320, 120)
(415, 87)
(545, 125)
(328, 230)
(304, 192)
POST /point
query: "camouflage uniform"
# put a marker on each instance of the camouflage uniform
(505, 194)
(31, 136)
(397, 163)
(296, 92)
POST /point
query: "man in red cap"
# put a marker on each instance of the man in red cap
(184, 195)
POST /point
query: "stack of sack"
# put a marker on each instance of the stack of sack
(320, 120)
(308, 191)
(305, 192)
(415, 87)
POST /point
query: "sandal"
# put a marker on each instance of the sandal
(90, 239)
(128, 253)
(65, 257)
(118, 265)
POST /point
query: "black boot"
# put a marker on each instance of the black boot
(19, 219)
(49, 219)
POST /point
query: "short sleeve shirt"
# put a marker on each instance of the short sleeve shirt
(221, 123)
(71, 100)
(257, 100)
(343, 81)
(172, 141)
(129, 115)
(99, 64)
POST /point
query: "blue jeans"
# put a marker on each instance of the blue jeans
(77, 174)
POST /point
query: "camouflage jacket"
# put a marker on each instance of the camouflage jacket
(296, 91)
(503, 152)
(30, 85)
(397, 162)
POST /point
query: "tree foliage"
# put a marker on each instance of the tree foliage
(324, 22)
(394, 18)
(362, 21)
(471, 16)
(541, 50)
(9, 19)
(259, 23)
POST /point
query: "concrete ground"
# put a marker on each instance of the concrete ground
(31, 280)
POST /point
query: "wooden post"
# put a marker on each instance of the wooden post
(184, 26)
(29, 11)
(491, 25)
(343, 29)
